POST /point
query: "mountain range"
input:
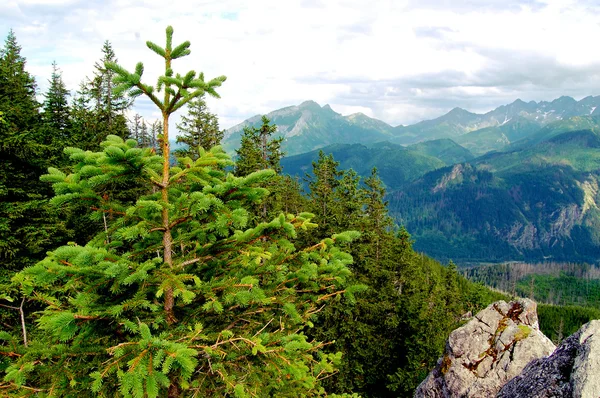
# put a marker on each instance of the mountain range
(309, 126)
(518, 183)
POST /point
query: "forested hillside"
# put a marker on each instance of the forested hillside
(147, 278)
(135, 266)
(534, 203)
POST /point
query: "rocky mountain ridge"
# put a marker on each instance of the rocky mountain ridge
(309, 126)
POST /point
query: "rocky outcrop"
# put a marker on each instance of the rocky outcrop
(572, 371)
(488, 351)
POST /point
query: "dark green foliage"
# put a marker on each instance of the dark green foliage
(17, 90)
(396, 164)
(323, 184)
(56, 117)
(199, 128)
(258, 150)
(529, 204)
(27, 227)
(178, 295)
(56, 128)
(396, 330)
(444, 149)
(108, 105)
(97, 111)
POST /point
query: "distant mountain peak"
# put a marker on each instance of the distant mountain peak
(459, 111)
(564, 99)
(310, 104)
(356, 115)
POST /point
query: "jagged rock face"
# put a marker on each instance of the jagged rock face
(571, 372)
(488, 351)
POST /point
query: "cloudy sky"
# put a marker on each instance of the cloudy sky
(400, 61)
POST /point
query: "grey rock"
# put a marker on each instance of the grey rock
(491, 349)
(572, 371)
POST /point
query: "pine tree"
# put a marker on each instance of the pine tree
(258, 151)
(177, 294)
(109, 106)
(27, 227)
(56, 116)
(200, 129)
(83, 120)
(287, 196)
(97, 112)
(323, 184)
(146, 140)
(376, 221)
(23, 158)
(56, 106)
(17, 89)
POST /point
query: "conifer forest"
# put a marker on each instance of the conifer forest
(146, 259)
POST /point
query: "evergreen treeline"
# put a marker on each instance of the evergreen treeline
(129, 270)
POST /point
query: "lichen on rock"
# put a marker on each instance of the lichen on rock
(488, 351)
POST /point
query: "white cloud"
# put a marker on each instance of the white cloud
(399, 61)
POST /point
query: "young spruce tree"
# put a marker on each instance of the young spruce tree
(178, 297)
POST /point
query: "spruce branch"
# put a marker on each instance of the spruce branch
(156, 48)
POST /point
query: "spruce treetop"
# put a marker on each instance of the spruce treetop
(178, 89)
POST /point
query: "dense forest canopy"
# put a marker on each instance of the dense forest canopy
(130, 269)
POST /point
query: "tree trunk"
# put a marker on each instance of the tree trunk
(167, 238)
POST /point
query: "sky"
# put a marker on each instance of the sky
(400, 61)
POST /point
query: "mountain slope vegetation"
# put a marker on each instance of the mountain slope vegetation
(539, 202)
(395, 164)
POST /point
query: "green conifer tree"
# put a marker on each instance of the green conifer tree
(323, 184)
(177, 296)
(27, 227)
(56, 117)
(109, 106)
(199, 128)
(56, 105)
(23, 156)
(17, 90)
(97, 111)
(258, 151)
(146, 140)
(83, 121)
